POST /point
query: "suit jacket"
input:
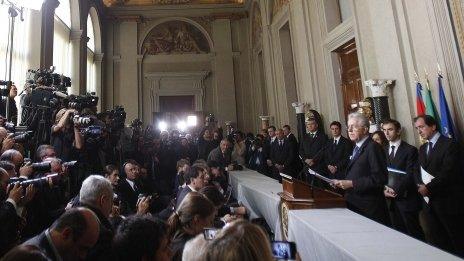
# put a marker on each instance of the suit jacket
(267, 145)
(128, 195)
(338, 155)
(312, 148)
(291, 138)
(443, 163)
(223, 159)
(368, 172)
(283, 155)
(41, 242)
(9, 229)
(257, 156)
(181, 195)
(406, 159)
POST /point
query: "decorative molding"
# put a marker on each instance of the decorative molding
(176, 83)
(340, 35)
(278, 5)
(457, 13)
(256, 26)
(110, 3)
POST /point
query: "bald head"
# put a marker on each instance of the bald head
(75, 233)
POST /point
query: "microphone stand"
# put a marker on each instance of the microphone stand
(13, 13)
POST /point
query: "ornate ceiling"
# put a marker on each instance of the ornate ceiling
(171, 2)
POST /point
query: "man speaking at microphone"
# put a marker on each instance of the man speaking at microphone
(366, 174)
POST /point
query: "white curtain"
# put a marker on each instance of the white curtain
(21, 48)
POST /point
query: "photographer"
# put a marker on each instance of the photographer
(13, 110)
(66, 135)
(12, 201)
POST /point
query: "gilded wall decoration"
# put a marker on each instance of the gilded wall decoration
(256, 24)
(175, 37)
(168, 2)
(457, 12)
(278, 4)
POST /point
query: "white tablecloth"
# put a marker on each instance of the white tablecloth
(340, 234)
(258, 194)
(329, 234)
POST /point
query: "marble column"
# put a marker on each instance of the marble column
(379, 90)
(46, 45)
(128, 90)
(224, 94)
(300, 118)
(76, 39)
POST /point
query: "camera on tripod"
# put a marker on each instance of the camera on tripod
(82, 101)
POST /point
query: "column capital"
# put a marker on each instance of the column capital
(299, 107)
(76, 35)
(379, 87)
(98, 57)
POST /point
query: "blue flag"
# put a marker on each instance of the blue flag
(447, 126)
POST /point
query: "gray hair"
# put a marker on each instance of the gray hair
(93, 188)
(195, 249)
(361, 120)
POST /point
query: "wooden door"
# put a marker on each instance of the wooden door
(351, 84)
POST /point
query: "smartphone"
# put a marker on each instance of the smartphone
(210, 233)
(283, 250)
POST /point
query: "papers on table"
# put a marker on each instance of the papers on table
(426, 178)
(317, 175)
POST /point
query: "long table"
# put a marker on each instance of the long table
(328, 234)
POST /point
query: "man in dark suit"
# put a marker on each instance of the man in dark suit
(97, 194)
(257, 158)
(9, 219)
(401, 192)
(366, 174)
(337, 152)
(70, 237)
(440, 158)
(196, 179)
(312, 147)
(129, 188)
(222, 154)
(282, 156)
(290, 138)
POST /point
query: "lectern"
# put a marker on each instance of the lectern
(300, 195)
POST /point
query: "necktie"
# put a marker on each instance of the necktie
(280, 143)
(430, 147)
(355, 152)
(391, 156)
(312, 135)
(335, 142)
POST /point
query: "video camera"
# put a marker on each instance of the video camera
(117, 117)
(47, 77)
(80, 102)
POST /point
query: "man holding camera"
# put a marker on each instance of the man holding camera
(66, 135)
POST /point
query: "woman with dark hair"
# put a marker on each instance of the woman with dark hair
(194, 213)
(141, 238)
(380, 138)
